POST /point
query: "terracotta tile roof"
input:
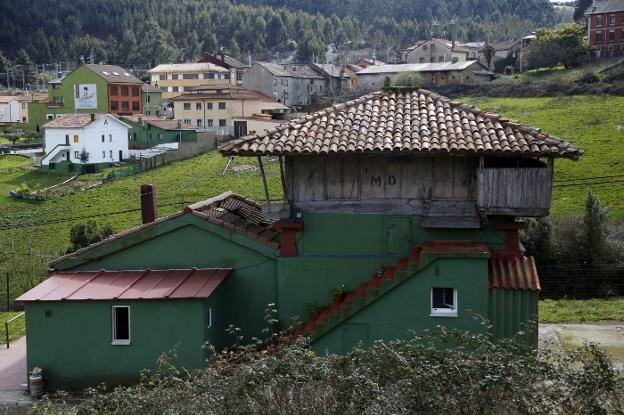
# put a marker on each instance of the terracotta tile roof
(228, 210)
(72, 121)
(128, 285)
(238, 214)
(402, 121)
(516, 272)
(8, 98)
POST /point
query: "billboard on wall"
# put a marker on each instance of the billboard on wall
(85, 96)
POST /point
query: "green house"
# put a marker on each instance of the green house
(149, 131)
(91, 88)
(406, 199)
(152, 100)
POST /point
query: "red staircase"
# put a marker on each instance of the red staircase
(384, 280)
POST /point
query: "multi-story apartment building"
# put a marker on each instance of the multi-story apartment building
(605, 27)
(174, 79)
(213, 108)
(94, 88)
(236, 67)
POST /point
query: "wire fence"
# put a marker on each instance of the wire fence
(582, 280)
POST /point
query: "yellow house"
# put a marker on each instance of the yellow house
(215, 108)
(174, 79)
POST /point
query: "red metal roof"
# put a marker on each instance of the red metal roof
(513, 272)
(128, 285)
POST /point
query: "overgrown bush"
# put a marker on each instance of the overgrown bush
(82, 235)
(448, 371)
(411, 79)
(578, 255)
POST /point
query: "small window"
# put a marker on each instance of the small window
(160, 136)
(103, 154)
(209, 105)
(50, 117)
(110, 153)
(599, 21)
(114, 105)
(124, 91)
(444, 302)
(226, 76)
(187, 121)
(425, 47)
(210, 75)
(612, 20)
(135, 91)
(611, 35)
(163, 77)
(174, 76)
(110, 138)
(598, 36)
(76, 154)
(198, 106)
(221, 105)
(103, 138)
(221, 123)
(121, 325)
(135, 106)
(114, 90)
(199, 123)
(209, 317)
(187, 106)
(76, 138)
(125, 105)
(209, 123)
(190, 76)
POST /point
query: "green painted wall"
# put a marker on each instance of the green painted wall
(82, 75)
(147, 135)
(152, 103)
(512, 311)
(37, 115)
(408, 306)
(73, 343)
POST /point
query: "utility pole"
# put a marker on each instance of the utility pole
(8, 301)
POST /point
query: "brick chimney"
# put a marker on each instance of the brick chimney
(92, 117)
(148, 203)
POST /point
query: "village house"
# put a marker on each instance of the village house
(102, 136)
(174, 79)
(438, 74)
(236, 67)
(605, 27)
(294, 85)
(336, 79)
(350, 71)
(152, 100)
(92, 88)
(399, 213)
(33, 110)
(437, 50)
(505, 50)
(147, 131)
(214, 108)
(9, 110)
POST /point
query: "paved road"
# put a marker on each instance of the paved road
(609, 335)
(13, 365)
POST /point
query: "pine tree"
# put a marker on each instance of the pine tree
(26, 69)
(594, 229)
(193, 47)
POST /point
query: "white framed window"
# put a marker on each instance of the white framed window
(209, 317)
(121, 325)
(444, 302)
(76, 154)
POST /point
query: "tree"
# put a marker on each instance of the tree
(580, 8)
(193, 47)
(488, 52)
(594, 229)
(83, 157)
(564, 45)
(82, 235)
(26, 68)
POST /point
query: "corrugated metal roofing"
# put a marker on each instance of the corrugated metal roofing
(403, 121)
(513, 272)
(128, 285)
(187, 67)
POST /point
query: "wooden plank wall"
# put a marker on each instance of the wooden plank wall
(515, 188)
(360, 178)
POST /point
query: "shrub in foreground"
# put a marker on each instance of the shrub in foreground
(444, 372)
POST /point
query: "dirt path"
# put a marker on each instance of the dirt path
(566, 336)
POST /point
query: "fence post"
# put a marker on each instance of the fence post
(6, 332)
(8, 300)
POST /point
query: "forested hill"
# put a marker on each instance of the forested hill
(140, 33)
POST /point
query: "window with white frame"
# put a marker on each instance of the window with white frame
(103, 138)
(121, 325)
(209, 317)
(76, 154)
(444, 302)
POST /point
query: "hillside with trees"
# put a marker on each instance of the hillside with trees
(140, 33)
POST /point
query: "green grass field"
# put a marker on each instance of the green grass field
(17, 328)
(571, 311)
(25, 251)
(595, 123)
